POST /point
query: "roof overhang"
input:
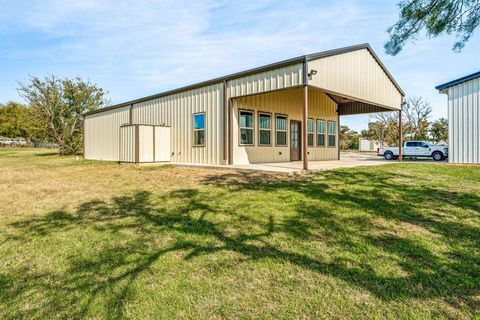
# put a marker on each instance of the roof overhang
(443, 87)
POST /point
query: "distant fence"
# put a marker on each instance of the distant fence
(20, 143)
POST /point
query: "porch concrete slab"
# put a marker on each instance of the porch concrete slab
(347, 160)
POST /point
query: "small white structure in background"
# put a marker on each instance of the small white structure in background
(463, 118)
(369, 145)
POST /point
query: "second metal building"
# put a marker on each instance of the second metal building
(286, 111)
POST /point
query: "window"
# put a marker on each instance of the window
(412, 144)
(320, 133)
(199, 129)
(264, 129)
(281, 130)
(246, 127)
(311, 131)
(331, 133)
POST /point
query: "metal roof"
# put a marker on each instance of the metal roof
(232, 76)
(457, 81)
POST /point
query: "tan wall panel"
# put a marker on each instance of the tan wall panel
(289, 102)
(177, 112)
(145, 143)
(358, 75)
(279, 78)
(162, 144)
(102, 134)
(464, 122)
(127, 144)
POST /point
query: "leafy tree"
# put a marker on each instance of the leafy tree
(14, 120)
(348, 138)
(59, 105)
(384, 127)
(436, 17)
(439, 130)
(417, 111)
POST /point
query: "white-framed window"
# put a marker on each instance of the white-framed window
(246, 125)
(311, 132)
(264, 129)
(281, 125)
(332, 129)
(320, 133)
(199, 129)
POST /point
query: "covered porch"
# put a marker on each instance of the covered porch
(270, 122)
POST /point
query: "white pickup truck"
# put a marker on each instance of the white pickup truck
(415, 149)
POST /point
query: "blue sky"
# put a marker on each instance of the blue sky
(138, 48)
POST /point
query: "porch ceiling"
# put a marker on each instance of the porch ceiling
(349, 106)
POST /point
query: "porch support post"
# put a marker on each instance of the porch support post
(338, 132)
(400, 136)
(304, 128)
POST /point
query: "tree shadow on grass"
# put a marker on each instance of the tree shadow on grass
(199, 223)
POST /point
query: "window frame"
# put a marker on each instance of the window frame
(324, 133)
(286, 129)
(252, 112)
(204, 129)
(328, 134)
(259, 130)
(313, 133)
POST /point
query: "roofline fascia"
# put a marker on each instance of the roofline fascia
(452, 83)
(299, 59)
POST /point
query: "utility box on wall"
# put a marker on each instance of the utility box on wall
(144, 143)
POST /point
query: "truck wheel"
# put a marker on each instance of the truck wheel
(437, 156)
(388, 155)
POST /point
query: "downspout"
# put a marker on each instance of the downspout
(305, 116)
(226, 119)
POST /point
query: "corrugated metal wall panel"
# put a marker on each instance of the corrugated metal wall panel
(102, 134)
(289, 102)
(145, 143)
(177, 112)
(127, 144)
(270, 80)
(464, 122)
(357, 75)
(162, 144)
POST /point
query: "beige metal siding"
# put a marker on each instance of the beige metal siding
(102, 134)
(127, 144)
(289, 102)
(145, 143)
(464, 122)
(162, 144)
(177, 112)
(357, 75)
(275, 79)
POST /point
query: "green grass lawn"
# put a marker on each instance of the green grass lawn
(85, 239)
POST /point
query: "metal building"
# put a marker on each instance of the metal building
(286, 111)
(463, 118)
